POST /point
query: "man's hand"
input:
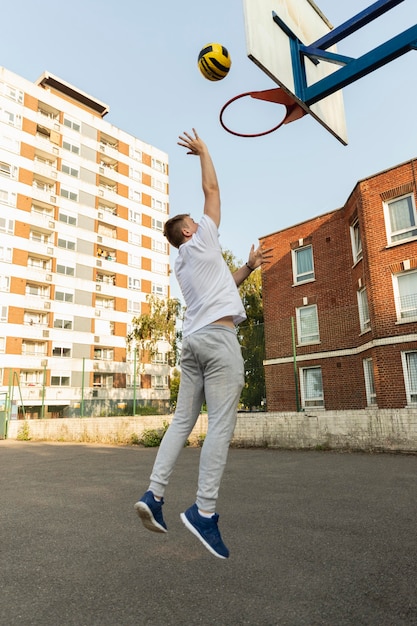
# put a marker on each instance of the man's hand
(195, 145)
(258, 256)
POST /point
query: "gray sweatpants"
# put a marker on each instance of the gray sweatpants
(211, 368)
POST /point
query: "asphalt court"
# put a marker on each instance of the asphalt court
(315, 537)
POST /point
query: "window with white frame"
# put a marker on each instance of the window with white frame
(159, 290)
(103, 380)
(10, 143)
(105, 354)
(31, 378)
(364, 320)
(311, 386)
(4, 283)
(409, 361)
(9, 91)
(134, 238)
(159, 246)
(3, 313)
(158, 165)
(7, 170)
(157, 224)
(67, 217)
(303, 266)
(71, 147)
(69, 169)
(32, 318)
(67, 270)
(135, 195)
(355, 236)
(5, 254)
(43, 264)
(135, 153)
(134, 283)
(159, 382)
(159, 268)
(134, 216)
(61, 351)
(158, 184)
(160, 358)
(400, 218)
(70, 194)
(2, 344)
(39, 237)
(39, 291)
(36, 348)
(65, 323)
(64, 295)
(159, 205)
(13, 119)
(72, 123)
(68, 243)
(135, 174)
(405, 293)
(368, 371)
(104, 303)
(134, 260)
(7, 197)
(307, 324)
(134, 307)
(6, 226)
(60, 380)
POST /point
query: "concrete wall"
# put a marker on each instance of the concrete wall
(389, 429)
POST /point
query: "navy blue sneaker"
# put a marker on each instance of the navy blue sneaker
(206, 530)
(150, 512)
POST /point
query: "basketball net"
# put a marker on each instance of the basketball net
(293, 110)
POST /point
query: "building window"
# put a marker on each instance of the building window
(104, 303)
(71, 171)
(60, 381)
(68, 218)
(71, 147)
(159, 382)
(400, 217)
(5, 254)
(6, 226)
(61, 351)
(70, 122)
(106, 354)
(7, 197)
(64, 323)
(409, 360)
(71, 194)
(368, 370)
(159, 205)
(355, 236)
(134, 307)
(103, 380)
(311, 385)
(364, 320)
(405, 291)
(134, 216)
(303, 267)
(64, 295)
(134, 283)
(3, 313)
(157, 224)
(159, 290)
(68, 243)
(159, 165)
(65, 269)
(4, 283)
(308, 324)
(159, 246)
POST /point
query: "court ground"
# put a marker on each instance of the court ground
(316, 538)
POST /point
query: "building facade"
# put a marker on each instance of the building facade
(82, 209)
(340, 302)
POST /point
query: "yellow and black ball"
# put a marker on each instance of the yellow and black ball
(214, 61)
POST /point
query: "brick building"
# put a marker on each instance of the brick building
(82, 209)
(340, 302)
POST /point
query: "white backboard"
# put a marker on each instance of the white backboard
(269, 47)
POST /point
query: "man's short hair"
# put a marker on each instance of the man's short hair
(173, 229)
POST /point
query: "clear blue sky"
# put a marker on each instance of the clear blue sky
(139, 57)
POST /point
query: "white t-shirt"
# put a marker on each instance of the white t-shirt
(206, 282)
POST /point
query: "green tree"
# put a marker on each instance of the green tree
(251, 335)
(159, 323)
(174, 387)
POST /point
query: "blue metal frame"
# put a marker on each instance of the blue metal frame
(352, 69)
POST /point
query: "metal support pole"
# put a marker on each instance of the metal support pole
(134, 382)
(82, 390)
(297, 396)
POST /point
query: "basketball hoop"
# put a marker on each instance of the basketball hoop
(293, 110)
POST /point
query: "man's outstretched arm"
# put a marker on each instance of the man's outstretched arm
(196, 146)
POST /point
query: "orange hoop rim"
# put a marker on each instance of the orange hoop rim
(237, 134)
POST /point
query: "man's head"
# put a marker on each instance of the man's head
(179, 229)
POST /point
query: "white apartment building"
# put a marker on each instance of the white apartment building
(82, 209)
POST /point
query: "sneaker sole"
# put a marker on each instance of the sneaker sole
(195, 532)
(148, 519)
